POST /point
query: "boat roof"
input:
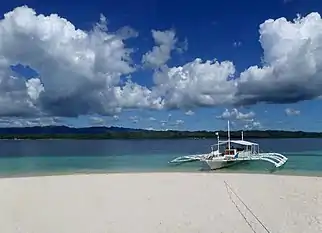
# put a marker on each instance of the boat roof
(244, 143)
(240, 142)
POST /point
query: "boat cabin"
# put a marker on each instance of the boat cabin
(233, 147)
(230, 152)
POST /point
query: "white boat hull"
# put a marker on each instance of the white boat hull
(214, 165)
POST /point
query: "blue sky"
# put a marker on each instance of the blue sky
(221, 30)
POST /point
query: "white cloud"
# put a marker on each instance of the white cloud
(253, 125)
(292, 112)
(116, 118)
(171, 124)
(30, 122)
(241, 120)
(163, 123)
(34, 88)
(234, 114)
(179, 122)
(127, 32)
(134, 119)
(237, 44)
(169, 117)
(182, 46)
(291, 71)
(79, 71)
(292, 63)
(97, 121)
(159, 55)
(132, 95)
(189, 113)
(197, 83)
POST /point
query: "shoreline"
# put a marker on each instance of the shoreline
(161, 202)
(86, 173)
(36, 138)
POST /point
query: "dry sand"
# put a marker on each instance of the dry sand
(161, 202)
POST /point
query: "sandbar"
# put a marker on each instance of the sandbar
(161, 202)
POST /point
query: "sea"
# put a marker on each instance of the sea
(53, 157)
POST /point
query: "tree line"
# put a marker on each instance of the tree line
(146, 134)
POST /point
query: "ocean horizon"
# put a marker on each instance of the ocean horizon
(55, 157)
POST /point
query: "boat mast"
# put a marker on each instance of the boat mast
(242, 134)
(228, 136)
(217, 140)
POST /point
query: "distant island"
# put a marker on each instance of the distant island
(65, 132)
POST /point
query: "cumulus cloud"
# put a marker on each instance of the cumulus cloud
(97, 121)
(253, 125)
(291, 70)
(159, 55)
(197, 83)
(179, 122)
(79, 71)
(30, 122)
(292, 112)
(163, 123)
(189, 113)
(292, 63)
(116, 118)
(241, 120)
(134, 119)
(234, 114)
(169, 124)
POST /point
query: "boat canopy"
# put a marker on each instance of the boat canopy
(240, 142)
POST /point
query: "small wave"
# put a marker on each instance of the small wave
(304, 153)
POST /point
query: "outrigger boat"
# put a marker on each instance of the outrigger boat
(234, 152)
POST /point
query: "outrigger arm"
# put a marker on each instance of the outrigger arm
(274, 158)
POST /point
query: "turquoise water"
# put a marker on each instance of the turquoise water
(42, 157)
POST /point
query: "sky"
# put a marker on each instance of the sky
(162, 64)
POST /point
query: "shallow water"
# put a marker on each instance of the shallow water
(40, 157)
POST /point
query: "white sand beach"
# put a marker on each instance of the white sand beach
(161, 202)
